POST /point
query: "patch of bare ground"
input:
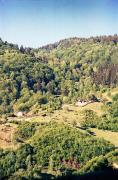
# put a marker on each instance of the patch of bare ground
(6, 136)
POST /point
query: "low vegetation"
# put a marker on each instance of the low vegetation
(108, 121)
(55, 148)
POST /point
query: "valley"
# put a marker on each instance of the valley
(59, 109)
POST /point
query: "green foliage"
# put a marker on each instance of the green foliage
(55, 103)
(109, 121)
(46, 78)
(25, 130)
(90, 119)
(60, 143)
(115, 98)
(53, 147)
(75, 68)
(95, 164)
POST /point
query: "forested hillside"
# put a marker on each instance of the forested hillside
(56, 149)
(48, 134)
(55, 74)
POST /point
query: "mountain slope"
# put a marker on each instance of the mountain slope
(73, 68)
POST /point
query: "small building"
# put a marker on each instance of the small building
(82, 103)
(20, 114)
(91, 99)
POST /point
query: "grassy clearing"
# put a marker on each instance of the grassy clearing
(6, 136)
(107, 135)
(113, 92)
(96, 107)
(68, 115)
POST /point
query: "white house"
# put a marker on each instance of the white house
(82, 103)
(20, 114)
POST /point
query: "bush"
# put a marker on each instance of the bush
(90, 119)
(25, 130)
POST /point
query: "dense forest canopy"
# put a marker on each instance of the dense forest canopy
(57, 73)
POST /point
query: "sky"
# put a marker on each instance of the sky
(34, 23)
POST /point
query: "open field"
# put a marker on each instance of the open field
(113, 92)
(107, 135)
(96, 107)
(69, 114)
